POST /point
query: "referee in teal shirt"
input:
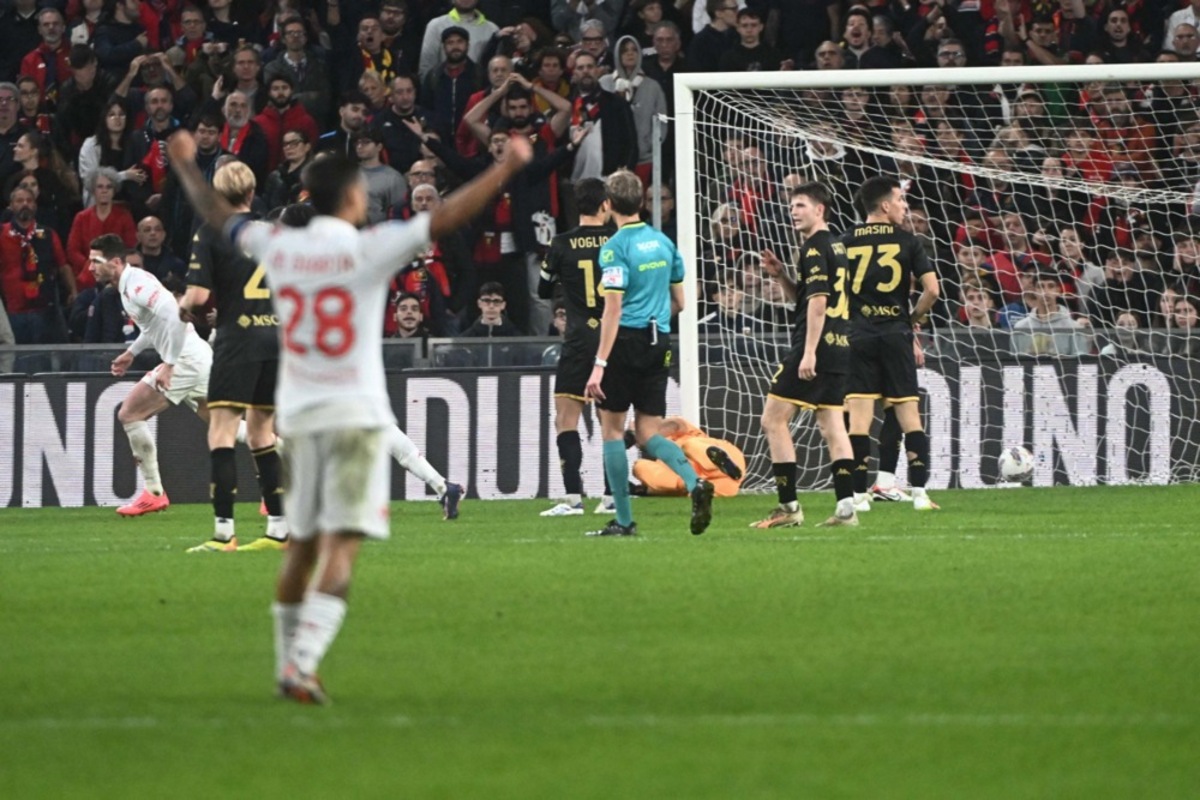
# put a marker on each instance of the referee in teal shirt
(641, 276)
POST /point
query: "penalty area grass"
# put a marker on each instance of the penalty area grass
(1021, 643)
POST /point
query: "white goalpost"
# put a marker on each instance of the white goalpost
(1057, 204)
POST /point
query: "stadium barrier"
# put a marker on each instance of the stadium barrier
(1088, 421)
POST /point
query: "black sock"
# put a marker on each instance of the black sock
(862, 454)
(843, 478)
(224, 482)
(570, 458)
(268, 467)
(889, 442)
(785, 481)
(917, 445)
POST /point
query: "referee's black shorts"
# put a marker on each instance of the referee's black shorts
(242, 384)
(882, 364)
(637, 373)
(827, 390)
(575, 364)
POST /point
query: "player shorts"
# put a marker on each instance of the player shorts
(637, 373)
(882, 364)
(575, 364)
(189, 381)
(827, 390)
(243, 384)
(337, 481)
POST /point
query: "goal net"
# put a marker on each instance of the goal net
(1061, 208)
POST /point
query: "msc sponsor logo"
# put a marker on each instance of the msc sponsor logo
(258, 320)
(881, 311)
(837, 339)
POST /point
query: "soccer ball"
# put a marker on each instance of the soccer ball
(1016, 463)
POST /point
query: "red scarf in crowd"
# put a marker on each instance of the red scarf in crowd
(31, 276)
(235, 146)
(155, 162)
(585, 109)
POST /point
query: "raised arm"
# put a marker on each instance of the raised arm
(476, 117)
(213, 209)
(468, 200)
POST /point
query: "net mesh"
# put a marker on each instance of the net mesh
(1060, 221)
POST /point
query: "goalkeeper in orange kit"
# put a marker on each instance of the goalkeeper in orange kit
(715, 460)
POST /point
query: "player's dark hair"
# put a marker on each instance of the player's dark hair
(624, 192)
(873, 192)
(492, 287)
(328, 181)
(590, 194)
(817, 192)
(110, 246)
(297, 215)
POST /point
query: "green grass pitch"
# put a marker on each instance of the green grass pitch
(1018, 644)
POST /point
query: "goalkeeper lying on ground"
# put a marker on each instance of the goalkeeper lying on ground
(714, 460)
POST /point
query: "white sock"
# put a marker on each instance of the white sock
(277, 528)
(573, 500)
(223, 530)
(241, 432)
(793, 506)
(408, 456)
(917, 491)
(319, 620)
(885, 480)
(287, 618)
(863, 497)
(845, 507)
(145, 452)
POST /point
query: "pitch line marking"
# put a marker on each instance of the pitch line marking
(931, 720)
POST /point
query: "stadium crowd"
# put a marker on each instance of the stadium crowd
(425, 94)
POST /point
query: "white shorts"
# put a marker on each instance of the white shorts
(337, 481)
(189, 382)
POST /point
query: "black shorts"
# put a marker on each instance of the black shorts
(637, 373)
(882, 364)
(827, 390)
(243, 384)
(575, 364)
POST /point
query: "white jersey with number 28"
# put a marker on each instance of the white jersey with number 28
(329, 284)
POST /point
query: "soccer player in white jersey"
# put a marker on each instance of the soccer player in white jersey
(329, 284)
(182, 377)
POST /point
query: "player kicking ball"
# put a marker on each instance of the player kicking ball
(182, 377)
(812, 375)
(642, 276)
(329, 283)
